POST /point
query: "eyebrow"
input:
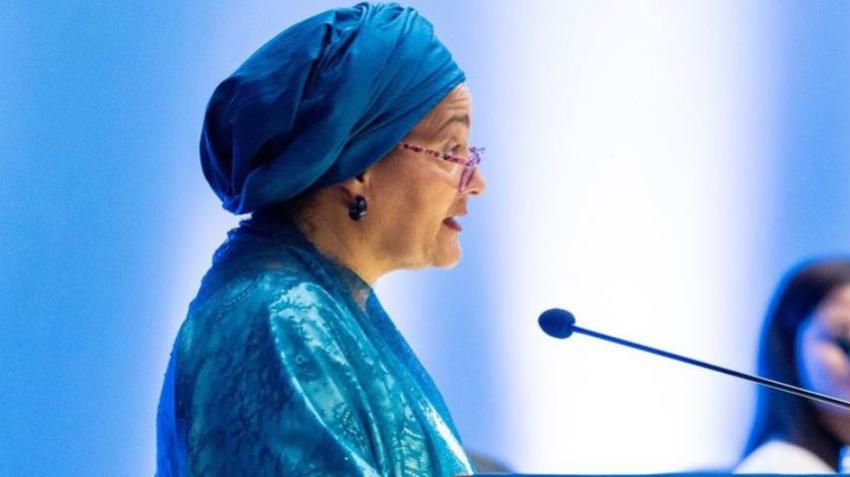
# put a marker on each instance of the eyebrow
(464, 119)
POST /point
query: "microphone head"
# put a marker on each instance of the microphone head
(557, 323)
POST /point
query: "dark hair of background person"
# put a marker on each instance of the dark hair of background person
(781, 415)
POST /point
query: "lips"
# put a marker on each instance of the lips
(453, 224)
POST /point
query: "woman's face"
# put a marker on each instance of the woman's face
(822, 360)
(414, 201)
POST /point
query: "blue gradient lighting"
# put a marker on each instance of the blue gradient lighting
(652, 166)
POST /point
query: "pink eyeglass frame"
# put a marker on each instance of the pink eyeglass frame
(469, 163)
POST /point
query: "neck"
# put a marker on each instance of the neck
(343, 240)
(821, 443)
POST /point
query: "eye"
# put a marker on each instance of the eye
(844, 344)
(452, 147)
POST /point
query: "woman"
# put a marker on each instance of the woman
(804, 343)
(345, 138)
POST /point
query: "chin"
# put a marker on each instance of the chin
(447, 263)
(448, 257)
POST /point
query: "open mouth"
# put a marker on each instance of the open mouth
(452, 224)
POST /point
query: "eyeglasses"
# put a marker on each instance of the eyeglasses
(469, 163)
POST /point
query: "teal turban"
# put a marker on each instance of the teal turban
(321, 102)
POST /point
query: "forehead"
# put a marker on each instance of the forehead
(451, 114)
(840, 296)
(839, 299)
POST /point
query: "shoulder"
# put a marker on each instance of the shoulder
(269, 279)
(253, 302)
(778, 456)
(263, 333)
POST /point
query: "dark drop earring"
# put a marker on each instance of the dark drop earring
(358, 209)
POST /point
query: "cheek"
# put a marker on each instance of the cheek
(424, 204)
(825, 368)
(837, 366)
(412, 200)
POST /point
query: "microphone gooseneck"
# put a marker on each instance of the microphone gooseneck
(560, 324)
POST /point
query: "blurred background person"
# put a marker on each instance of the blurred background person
(804, 343)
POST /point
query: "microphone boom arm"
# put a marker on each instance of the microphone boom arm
(731, 372)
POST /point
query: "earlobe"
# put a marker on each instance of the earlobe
(358, 209)
(354, 189)
(355, 185)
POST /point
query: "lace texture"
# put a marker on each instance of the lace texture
(279, 370)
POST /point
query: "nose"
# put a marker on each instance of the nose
(478, 184)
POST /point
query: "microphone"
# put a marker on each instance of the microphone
(561, 324)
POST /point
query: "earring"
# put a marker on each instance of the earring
(358, 209)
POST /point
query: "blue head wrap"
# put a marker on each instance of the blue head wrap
(321, 102)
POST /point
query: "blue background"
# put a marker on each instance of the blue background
(107, 224)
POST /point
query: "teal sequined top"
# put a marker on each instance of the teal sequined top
(288, 365)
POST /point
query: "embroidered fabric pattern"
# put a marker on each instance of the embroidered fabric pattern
(280, 369)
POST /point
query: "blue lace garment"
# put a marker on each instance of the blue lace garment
(287, 365)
